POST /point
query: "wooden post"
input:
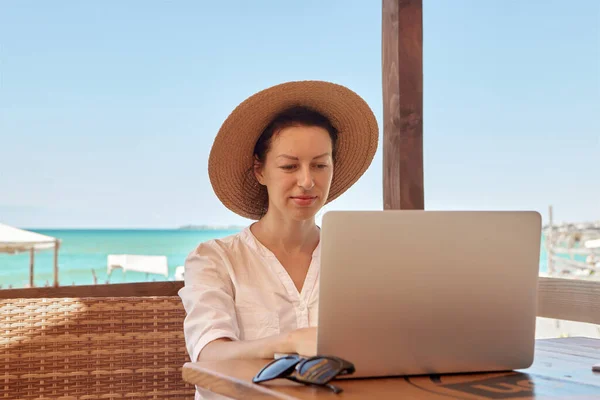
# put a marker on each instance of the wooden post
(402, 52)
(31, 262)
(56, 246)
(549, 244)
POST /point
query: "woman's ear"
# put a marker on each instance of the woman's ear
(258, 171)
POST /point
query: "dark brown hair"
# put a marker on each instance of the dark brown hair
(293, 116)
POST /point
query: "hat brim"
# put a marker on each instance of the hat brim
(231, 156)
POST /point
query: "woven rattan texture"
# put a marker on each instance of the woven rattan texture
(93, 348)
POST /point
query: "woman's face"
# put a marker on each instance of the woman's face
(297, 171)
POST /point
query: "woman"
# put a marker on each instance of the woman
(278, 158)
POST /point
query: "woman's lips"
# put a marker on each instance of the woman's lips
(304, 200)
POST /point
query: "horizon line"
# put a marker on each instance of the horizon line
(180, 228)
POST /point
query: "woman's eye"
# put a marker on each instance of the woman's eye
(322, 166)
(287, 167)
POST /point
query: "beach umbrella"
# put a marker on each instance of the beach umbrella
(14, 240)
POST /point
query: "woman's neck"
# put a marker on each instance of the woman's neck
(284, 235)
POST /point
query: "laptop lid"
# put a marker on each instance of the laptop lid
(406, 292)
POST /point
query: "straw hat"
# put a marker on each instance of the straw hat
(231, 157)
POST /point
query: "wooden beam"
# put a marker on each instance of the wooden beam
(56, 247)
(140, 289)
(31, 262)
(549, 241)
(569, 299)
(402, 72)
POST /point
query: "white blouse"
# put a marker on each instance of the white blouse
(236, 288)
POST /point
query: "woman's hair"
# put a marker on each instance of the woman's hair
(294, 116)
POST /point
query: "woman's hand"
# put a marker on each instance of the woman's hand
(304, 341)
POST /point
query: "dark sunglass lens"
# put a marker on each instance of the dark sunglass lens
(277, 369)
(318, 370)
(347, 368)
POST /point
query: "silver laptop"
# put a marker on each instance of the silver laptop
(408, 292)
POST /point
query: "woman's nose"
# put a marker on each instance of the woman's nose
(305, 180)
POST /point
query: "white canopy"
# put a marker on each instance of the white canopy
(139, 263)
(14, 240)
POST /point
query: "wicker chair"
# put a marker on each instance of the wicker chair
(93, 348)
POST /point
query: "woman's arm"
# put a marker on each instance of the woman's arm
(302, 341)
(210, 326)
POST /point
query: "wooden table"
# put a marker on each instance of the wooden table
(562, 369)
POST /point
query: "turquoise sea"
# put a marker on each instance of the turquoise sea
(82, 251)
(85, 250)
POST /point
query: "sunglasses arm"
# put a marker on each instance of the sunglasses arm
(333, 388)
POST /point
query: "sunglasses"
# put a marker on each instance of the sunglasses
(316, 371)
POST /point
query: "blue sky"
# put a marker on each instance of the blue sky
(108, 109)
